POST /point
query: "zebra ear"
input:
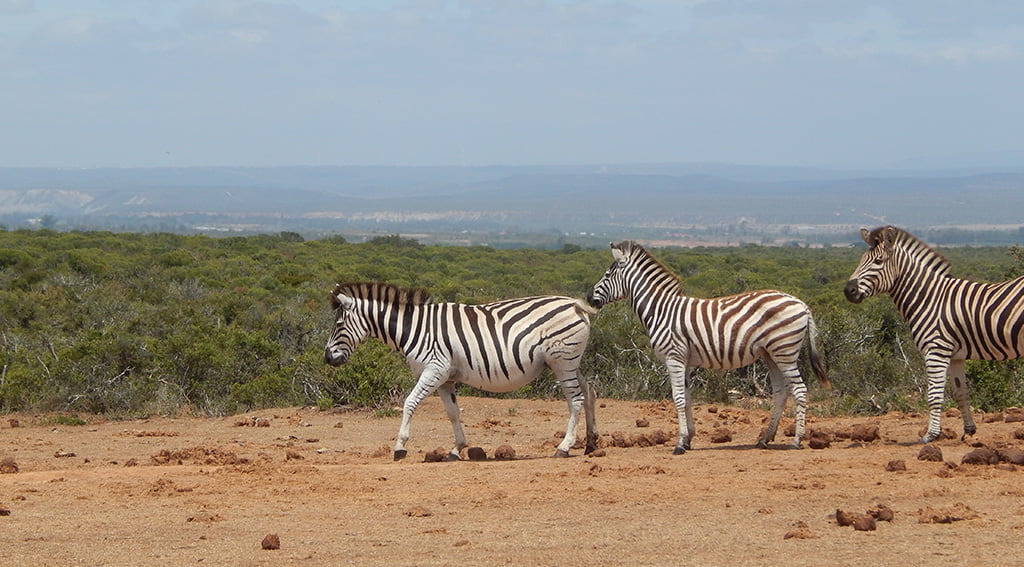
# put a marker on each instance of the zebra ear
(889, 234)
(618, 254)
(342, 300)
(866, 235)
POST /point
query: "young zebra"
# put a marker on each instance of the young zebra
(951, 319)
(496, 347)
(723, 333)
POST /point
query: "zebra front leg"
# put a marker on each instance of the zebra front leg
(427, 383)
(681, 398)
(962, 395)
(936, 365)
(451, 407)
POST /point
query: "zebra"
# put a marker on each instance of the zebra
(951, 319)
(496, 347)
(721, 333)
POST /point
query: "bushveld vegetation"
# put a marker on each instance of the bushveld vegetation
(139, 324)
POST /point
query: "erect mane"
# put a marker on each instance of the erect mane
(632, 249)
(381, 292)
(914, 245)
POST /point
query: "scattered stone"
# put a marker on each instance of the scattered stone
(253, 422)
(980, 456)
(4, 511)
(292, 455)
(339, 425)
(435, 456)
(819, 439)
(14, 422)
(1018, 433)
(896, 465)
(844, 518)
(505, 453)
(131, 463)
(1013, 415)
(866, 432)
(205, 517)
(721, 435)
(271, 541)
(60, 454)
(864, 523)
(8, 466)
(598, 453)
(930, 453)
(418, 512)
(476, 454)
(1011, 455)
(993, 417)
(712, 409)
(642, 423)
(882, 513)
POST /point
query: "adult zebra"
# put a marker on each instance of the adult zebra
(722, 333)
(496, 347)
(951, 319)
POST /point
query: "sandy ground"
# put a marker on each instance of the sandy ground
(207, 491)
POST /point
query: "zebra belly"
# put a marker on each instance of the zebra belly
(498, 383)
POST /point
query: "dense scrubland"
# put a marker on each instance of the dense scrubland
(143, 324)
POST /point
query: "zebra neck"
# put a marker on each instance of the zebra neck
(396, 324)
(915, 295)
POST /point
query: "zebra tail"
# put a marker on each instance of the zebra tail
(585, 308)
(816, 361)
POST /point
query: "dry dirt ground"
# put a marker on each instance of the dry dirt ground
(207, 491)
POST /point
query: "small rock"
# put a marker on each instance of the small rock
(721, 436)
(844, 518)
(14, 422)
(1011, 455)
(504, 453)
(896, 465)
(800, 531)
(930, 453)
(8, 466)
(271, 541)
(882, 513)
(435, 456)
(642, 423)
(980, 456)
(864, 523)
(476, 454)
(866, 432)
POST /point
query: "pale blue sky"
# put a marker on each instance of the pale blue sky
(479, 82)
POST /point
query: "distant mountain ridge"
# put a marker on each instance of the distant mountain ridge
(530, 198)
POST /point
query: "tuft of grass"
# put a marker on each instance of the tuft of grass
(64, 419)
(386, 412)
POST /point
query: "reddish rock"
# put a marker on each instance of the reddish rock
(271, 541)
(476, 454)
(505, 453)
(896, 465)
(980, 456)
(866, 432)
(930, 453)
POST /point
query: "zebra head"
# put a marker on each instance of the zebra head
(612, 286)
(349, 329)
(876, 272)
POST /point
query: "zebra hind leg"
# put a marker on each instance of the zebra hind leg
(961, 393)
(575, 396)
(451, 407)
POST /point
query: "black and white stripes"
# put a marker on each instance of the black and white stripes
(723, 333)
(497, 347)
(951, 319)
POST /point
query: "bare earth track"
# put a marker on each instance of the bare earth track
(207, 491)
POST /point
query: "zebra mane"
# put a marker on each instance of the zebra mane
(633, 250)
(917, 247)
(381, 292)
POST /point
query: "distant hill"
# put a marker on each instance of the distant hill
(567, 199)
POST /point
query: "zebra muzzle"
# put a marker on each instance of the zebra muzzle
(852, 292)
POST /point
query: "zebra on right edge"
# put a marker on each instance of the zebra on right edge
(951, 319)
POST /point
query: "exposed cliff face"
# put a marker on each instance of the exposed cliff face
(43, 201)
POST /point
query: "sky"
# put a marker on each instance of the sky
(144, 83)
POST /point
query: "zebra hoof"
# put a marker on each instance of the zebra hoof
(453, 457)
(970, 430)
(679, 450)
(400, 454)
(761, 444)
(560, 454)
(928, 439)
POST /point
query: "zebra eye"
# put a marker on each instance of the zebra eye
(879, 261)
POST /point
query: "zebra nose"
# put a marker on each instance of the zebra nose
(853, 295)
(594, 301)
(333, 359)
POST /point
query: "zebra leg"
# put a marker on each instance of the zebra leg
(428, 382)
(962, 394)
(936, 364)
(680, 397)
(574, 396)
(451, 407)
